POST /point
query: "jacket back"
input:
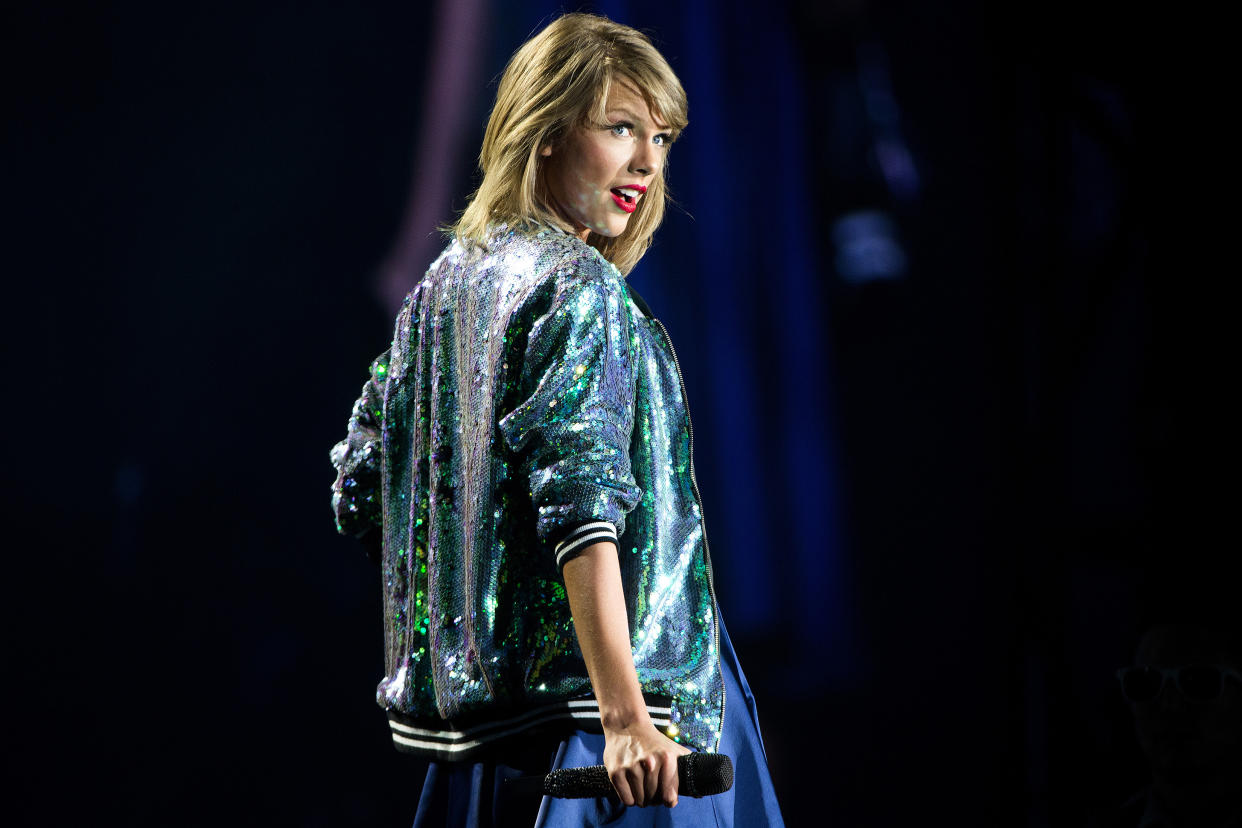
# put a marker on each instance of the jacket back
(529, 406)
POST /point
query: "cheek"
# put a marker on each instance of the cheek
(604, 163)
(1229, 722)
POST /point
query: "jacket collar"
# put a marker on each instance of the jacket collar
(638, 300)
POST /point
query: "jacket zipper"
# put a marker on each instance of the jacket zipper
(694, 485)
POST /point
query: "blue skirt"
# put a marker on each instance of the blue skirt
(466, 795)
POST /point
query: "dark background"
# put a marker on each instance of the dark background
(944, 495)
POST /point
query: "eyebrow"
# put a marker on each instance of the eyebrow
(620, 110)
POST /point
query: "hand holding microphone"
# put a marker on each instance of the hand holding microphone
(641, 762)
(698, 774)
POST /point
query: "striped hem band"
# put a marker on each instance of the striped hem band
(454, 743)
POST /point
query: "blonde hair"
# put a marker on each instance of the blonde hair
(557, 80)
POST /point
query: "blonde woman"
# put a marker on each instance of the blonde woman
(520, 458)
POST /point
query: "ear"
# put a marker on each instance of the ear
(546, 150)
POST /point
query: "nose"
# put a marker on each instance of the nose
(1169, 699)
(646, 159)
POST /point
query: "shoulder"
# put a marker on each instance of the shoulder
(557, 265)
(579, 268)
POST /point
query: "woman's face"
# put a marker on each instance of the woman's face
(596, 176)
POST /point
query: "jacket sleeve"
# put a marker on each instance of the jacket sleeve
(572, 431)
(356, 496)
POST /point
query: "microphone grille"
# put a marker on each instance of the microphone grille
(573, 782)
(705, 774)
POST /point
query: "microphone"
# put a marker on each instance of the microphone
(698, 774)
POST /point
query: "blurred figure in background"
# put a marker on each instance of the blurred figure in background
(1185, 692)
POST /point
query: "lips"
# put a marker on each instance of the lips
(627, 196)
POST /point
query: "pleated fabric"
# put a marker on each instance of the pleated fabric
(473, 795)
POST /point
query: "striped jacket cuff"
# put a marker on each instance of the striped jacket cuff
(583, 536)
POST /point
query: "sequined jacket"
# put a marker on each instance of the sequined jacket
(530, 405)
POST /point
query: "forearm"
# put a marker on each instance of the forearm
(597, 601)
(641, 761)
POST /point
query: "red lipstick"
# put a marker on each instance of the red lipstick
(627, 196)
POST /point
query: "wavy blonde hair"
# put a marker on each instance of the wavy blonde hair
(556, 81)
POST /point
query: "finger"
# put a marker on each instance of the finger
(622, 786)
(634, 775)
(668, 780)
(651, 780)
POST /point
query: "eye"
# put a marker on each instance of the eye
(622, 130)
(663, 139)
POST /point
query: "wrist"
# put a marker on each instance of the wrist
(625, 718)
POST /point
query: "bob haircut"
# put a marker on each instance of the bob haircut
(556, 81)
